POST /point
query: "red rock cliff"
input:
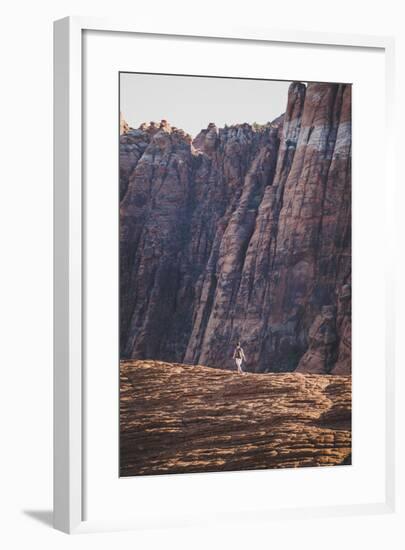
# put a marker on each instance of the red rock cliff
(242, 233)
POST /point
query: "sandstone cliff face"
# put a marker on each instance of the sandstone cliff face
(179, 418)
(242, 233)
(124, 127)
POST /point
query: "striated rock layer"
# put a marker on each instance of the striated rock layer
(242, 233)
(181, 418)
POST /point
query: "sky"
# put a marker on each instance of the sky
(191, 102)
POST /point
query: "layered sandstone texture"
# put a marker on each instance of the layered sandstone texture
(242, 233)
(181, 418)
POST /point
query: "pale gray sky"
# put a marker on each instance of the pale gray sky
(191, 102)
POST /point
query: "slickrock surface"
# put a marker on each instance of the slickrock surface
(181, 418)
(242, 233)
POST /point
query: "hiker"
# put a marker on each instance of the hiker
(239, 356)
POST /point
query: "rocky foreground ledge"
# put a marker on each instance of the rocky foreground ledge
(180, 418)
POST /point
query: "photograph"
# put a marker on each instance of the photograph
(203, 278)
(235, 230)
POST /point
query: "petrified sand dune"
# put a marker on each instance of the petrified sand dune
(178, 418)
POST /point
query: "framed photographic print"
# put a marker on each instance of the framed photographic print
(235, 274)
(214, 208)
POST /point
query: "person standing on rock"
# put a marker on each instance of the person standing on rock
(239, 357)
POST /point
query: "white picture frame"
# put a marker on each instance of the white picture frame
(69, 212)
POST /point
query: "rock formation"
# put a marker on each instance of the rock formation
(180, 418)
(124, 127)
(242, 233)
